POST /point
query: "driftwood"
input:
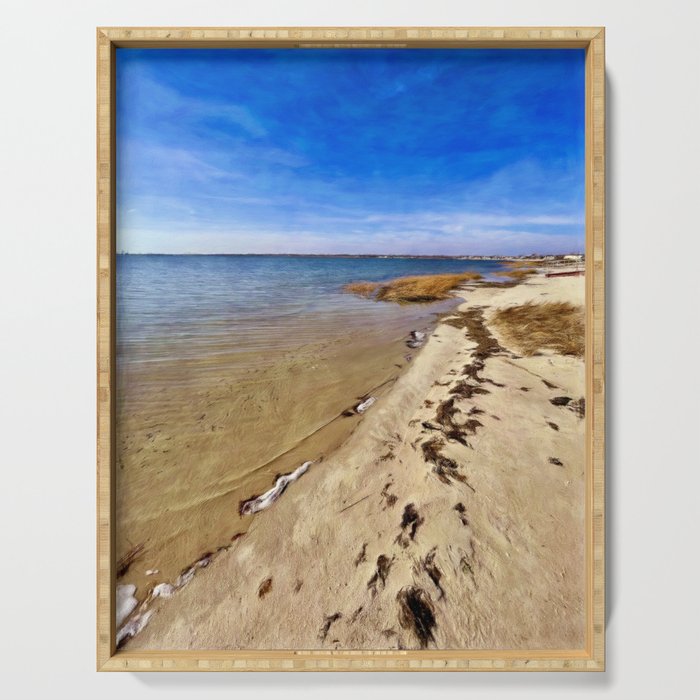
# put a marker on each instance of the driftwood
(416, 339)
(255, 505)
(362, 407)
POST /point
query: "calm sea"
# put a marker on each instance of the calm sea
(190, 306)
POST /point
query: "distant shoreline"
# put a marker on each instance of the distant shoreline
(548, 257)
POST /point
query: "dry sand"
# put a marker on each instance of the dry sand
(374, 548)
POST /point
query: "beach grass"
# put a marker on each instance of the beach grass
(363, 289)
(518, 274)
(520, 264)
(414, 289)
(520, 270)
(531, 327)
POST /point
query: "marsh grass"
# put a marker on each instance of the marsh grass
(557, 326)
(522, 264)
(363, 289)
(415, 289)
(519, 270)
(517, 274)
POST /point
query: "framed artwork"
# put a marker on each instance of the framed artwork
(350, 349)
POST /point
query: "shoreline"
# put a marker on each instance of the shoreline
(449, 557)
(167, 524)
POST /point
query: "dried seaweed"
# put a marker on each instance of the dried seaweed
(265, 587)
(417, 614)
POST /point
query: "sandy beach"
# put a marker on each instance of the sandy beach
(450, 515)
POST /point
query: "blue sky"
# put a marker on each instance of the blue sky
(404, 151)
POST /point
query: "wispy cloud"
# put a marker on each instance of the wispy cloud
(432, 152)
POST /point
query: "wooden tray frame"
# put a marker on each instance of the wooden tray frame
(592, 656)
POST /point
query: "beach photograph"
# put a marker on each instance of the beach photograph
(350, 397)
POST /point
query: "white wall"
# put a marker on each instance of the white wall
(47, 309)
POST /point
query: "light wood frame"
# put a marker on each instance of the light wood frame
(590, 658)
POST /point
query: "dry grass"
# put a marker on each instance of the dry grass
(531, 327)
(519, 270)
(518, 274)
(519, 264)
(362, 289)
(416, 289)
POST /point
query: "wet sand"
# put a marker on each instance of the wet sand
(197, 436)
(403, 538)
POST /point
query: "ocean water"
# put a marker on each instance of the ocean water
(190, 306)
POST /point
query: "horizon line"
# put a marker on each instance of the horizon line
(481, 256)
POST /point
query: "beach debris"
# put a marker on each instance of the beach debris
(553, 426)
(380, 574)
(454, 431)
(364, 498)
(133, 627)
(445, 417)
(258, 503)
(185, 577)
(578, 407)
(204, 560)
(362, 556)
(556, 462)
(417, 614)
(410, 522)
(126, 601)
(128, 559)
(461, 510)
(472, 320)
(355, 615)
(467, 567)
(265, 587)
(163, 590)
(389, 498)
(431, 453)
(465, 390)
(549, 385)
(297, 586)
(328, 620)
(362, 407)
(188, 574)
(560, 400)
(431, 568)
(415, 339)
(444, 467)
(152, 572)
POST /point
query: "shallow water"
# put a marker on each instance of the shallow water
(232, 370)
(189, 306)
